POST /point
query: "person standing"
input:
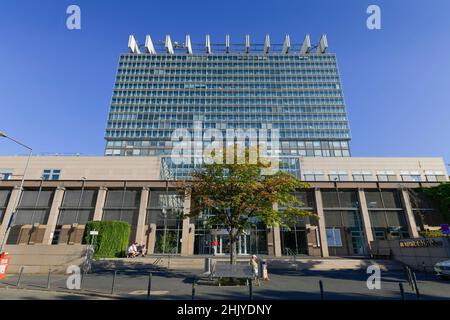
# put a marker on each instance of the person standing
(215, 244)
(254, 265)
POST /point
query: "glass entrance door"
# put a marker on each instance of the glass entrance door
(225, 245)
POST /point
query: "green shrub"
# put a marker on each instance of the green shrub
(431, 233)
(112, 239)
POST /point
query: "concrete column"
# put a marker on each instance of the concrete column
(321, 222)
(187, 245)
(277, 241)
(409, 215)
(13, 199)
(53, 215)
(101, 197)
(140, 228)
(274, 239)
(365, 218)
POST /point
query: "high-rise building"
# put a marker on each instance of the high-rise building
(293, 88)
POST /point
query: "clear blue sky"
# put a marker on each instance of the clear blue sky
(56, 84)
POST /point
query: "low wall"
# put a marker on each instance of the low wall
(420, 254)
(40, 258)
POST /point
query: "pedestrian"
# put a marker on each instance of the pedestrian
(254, 265)
(215, 244)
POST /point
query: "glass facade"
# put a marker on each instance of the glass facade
(343, 222)
(300, 95)
(386, 214)
(165, 210)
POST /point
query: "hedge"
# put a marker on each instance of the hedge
(431, 233)
(112, 239)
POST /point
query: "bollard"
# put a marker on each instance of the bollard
(193, 288)
(113, 281)
(321, 290)
(20, 276)
(48, 278)
(207, 267)
(83, 274)
(250, 289)
(407, 275)
(149, 287)
(415, 285)
(410, 280)
(402, 291)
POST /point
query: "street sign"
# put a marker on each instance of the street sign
(445, 229)
(93, 233)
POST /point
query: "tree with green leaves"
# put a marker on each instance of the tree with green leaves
(440, 198)
(237, 194)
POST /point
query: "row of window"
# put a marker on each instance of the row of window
(239, 125)
(226, 86)
(225, 79)
(227, 57)
(312, 134)
(231, 101)
(228, 64)
(367, 175)
(260, 113)
(229, 72)
(220, 93)
(47, 174)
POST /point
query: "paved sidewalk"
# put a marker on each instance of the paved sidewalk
(283, 284)
(25, 294)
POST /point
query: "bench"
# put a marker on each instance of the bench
(380, 253)
(226, 270)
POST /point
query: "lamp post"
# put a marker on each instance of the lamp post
(16, 201)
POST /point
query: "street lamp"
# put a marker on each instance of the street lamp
(16, 201)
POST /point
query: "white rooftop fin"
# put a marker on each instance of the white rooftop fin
(133, 45)
(247, 43)
(323, 44)
(208, 44)
(286, 44)
(227, 43)
(149, 48)
(168, 44)
(267, 44)
(306, 46)
(188, 44)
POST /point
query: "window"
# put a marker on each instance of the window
(34, 207)
(362, 176)
(386, 214)
(338, 175)
(6, 174)
(314, 176)
(334, 238)
(122, 205)
(386, 175)
(51, 174)
(410, 176)
(434, 176)
(77, 207)
(4, 198)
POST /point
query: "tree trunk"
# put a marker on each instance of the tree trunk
(233, 249)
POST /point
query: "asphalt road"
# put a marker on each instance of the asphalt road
(283, 284)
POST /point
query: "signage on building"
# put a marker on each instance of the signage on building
(445, 229)
(422, 243)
